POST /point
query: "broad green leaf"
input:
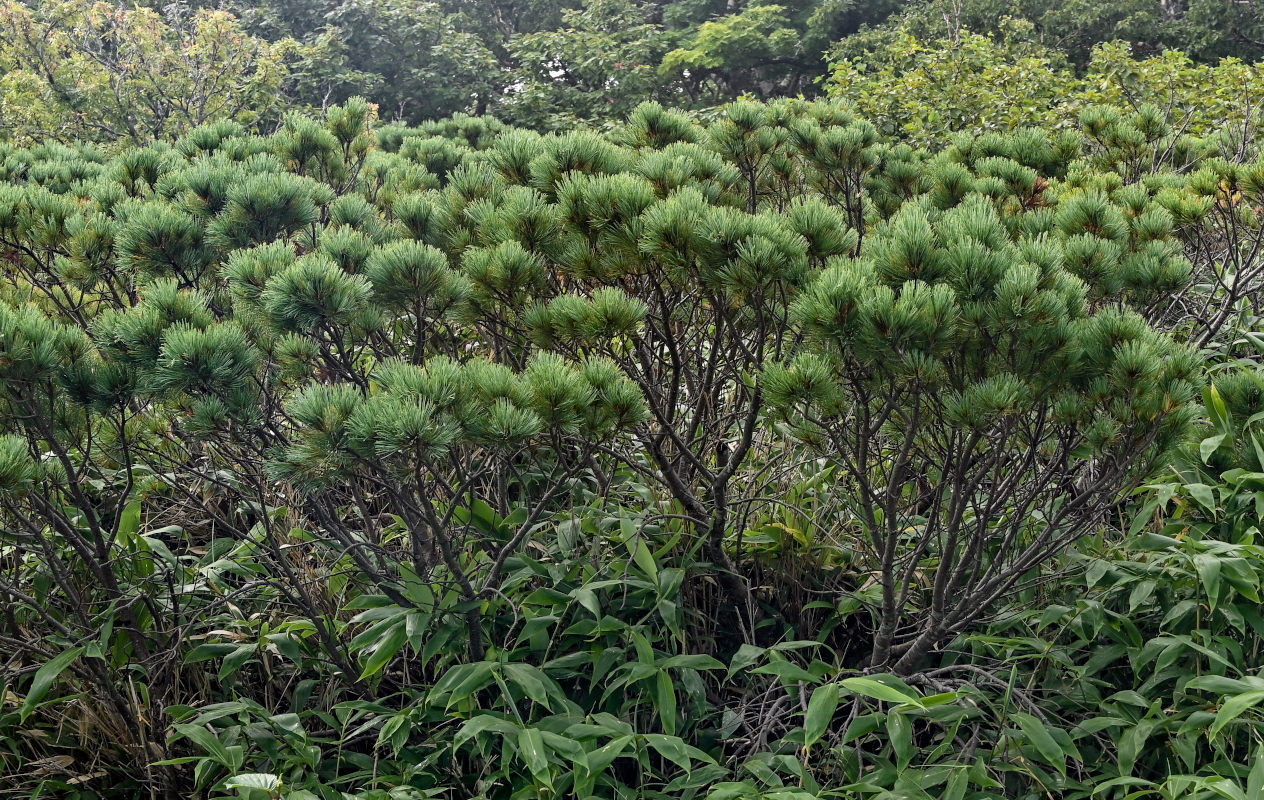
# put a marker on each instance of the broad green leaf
(1203, 494)
(789, 672)
(1255, 779)
(587, 598)
(1210, 445)
(820, 713)
(1221, 684)
(639, 549)
(746, 655)
(957, 785)
(666, 697)
(1259, 449)
(44, 678)
(206, 652)
(482, 723)
(531, 746)
(1095, 572)
(387, 648)
(159, 547)
(208, 741)
(602, 757)
(879, 691)
(1208, 567)
(254, 780)
(900, 732)
(863, 725)
(129, 521)
(530, 680)
(1224, 787)
(1140, 593)
(670, 748)
(1132, 742)
(696, 661)
(1234, 707)
(559, 744)
(1035, 732)
(478, 675)
(234, 660)
(1105, 786)
(1217, 411)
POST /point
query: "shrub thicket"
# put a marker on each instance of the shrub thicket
(725, 460)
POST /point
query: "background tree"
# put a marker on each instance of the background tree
(1207, 30)
(600, 64)
(924, 90)
(89, 71)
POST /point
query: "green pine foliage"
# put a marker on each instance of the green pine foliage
(760, 455)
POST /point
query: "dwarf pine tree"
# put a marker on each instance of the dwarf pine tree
(681, 270)
(984, 415)
(1219, 215)
(68, 479)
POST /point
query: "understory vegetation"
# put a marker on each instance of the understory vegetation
(901, 441)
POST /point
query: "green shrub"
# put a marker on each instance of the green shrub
(723, 460)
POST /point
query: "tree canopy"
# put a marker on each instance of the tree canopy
(79, 70)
